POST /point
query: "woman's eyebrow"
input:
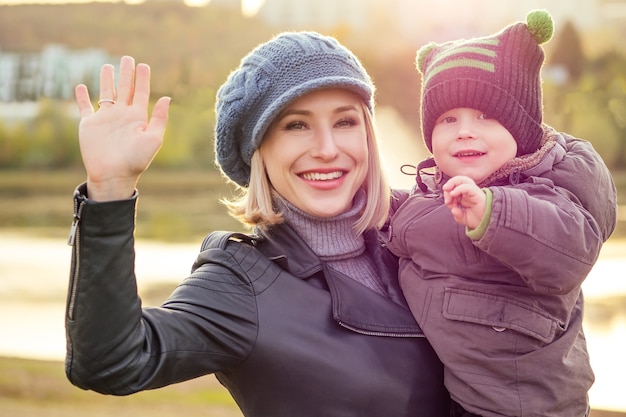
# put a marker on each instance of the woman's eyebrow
(349, 107)
(305, 112)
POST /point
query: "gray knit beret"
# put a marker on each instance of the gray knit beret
(287, 67)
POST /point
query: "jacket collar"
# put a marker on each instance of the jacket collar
(282, 239)
(354, 305)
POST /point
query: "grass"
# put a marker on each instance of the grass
(174, 206)
(32, 388)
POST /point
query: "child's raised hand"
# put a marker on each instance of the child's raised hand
(465, 200)
(118, 140)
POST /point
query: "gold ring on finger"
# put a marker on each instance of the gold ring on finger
(105, 100)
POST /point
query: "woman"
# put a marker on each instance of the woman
(302, 318)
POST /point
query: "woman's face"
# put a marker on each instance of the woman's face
(315, 152)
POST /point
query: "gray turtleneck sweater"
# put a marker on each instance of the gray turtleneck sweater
(334, 241)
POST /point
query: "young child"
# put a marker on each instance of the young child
(495, 245)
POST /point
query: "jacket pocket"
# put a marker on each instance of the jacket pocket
(501, 313)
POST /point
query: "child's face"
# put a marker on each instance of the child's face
(468, 142)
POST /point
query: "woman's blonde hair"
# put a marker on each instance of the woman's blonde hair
(253, 206)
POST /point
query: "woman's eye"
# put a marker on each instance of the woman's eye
(347, 122)
(295, 125)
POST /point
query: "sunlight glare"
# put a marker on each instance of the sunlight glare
(196, 3)
(250, 8)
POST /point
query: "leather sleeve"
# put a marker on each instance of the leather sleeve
(116, 347)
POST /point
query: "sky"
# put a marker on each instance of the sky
(249, 7)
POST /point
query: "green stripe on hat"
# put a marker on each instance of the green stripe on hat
(461, 63)
(475, 48)
(472, 48)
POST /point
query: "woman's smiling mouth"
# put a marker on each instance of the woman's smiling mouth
(322, 176)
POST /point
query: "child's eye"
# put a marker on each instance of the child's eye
(447, 119)
(484, 116)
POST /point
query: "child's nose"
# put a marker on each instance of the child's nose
(466, 129)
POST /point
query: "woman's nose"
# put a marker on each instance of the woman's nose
(325, 146)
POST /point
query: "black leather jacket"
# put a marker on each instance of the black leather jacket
(284, 333)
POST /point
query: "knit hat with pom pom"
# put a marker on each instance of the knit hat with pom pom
(498, 75)
(272, 75)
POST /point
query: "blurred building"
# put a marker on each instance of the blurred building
(322, 14)
(51, 73)
(56, 70)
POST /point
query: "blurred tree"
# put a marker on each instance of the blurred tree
(594, 108)
(7, 146)
(609, 72)
(188, 140)
(48, 141)
(192, 50)
(53, 138)
(13, 145)
(567, 52)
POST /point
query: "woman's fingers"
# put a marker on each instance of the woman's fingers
(158, 120)
(133, 86)
(133, 95)
(82, 100)
(141, 96)
(126, 83)
(107, 83)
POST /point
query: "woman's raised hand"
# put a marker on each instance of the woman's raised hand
(119, 140)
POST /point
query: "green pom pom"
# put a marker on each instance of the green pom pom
(540, 25)
(422, 54)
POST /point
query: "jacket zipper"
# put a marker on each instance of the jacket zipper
(373, 333)
(74, 241)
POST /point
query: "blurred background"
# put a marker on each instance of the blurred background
(47, 48)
